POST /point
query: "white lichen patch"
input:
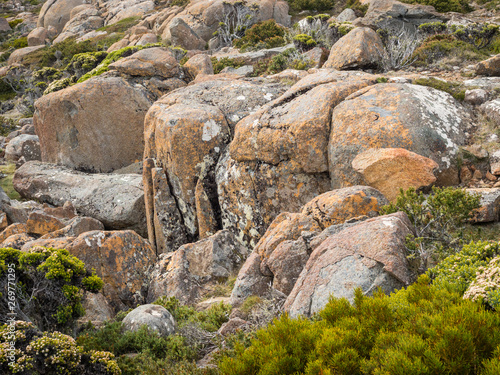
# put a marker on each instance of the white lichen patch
(388, 223)
(240, 98)
(210, 130)
(268, 96)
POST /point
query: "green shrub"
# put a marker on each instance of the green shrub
(419, 330)
(20, 42)
(461, 6)
(359, 8)
(121, 26)
(439, 46)
(433, 28)
(220, 64)
(266, 34)
(438, 220)
(304, 42)
(47, 284)
(6, 92)
(454, 89)
(83, 63)
(49, 353)
(14, 23)
(312, 5)
(479, 35)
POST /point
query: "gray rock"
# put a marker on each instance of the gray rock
(115, 200)
(476, 96)
(252, 57)
(4, 24)
(347, 15)
(156, 317)
(24, 145)
(485, 83)
(489, 209)
(184, 273)
(492, 110)
(368, 255)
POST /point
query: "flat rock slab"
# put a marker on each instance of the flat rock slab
(115, 200)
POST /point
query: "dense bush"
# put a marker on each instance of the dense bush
(266, 34)
(438, 220)
(420, 330)
(44, 286)
(49, 353)
(312, 5)
(153, 354)
(439, 46)
(461, 6)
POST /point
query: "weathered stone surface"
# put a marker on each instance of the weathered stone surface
(56, 13)
(420, 119)
(492, 110)
(19, 56)
(4, 25)
(87, 127)
(41, 223)
(390, 169)
(75, 227)
(489, 209)
(119, 9)
(156, 61)
(207, 222)
(17, 241)
(97, 309)
(37, 36)
(156, 317)
(182, 35)
(252, 57)
(55, 243)
(368, 255)
(122, 259)
(489, 67)
(285, 236)
(183, 273)
(361, 48)
(165, 228)
(12, 229)
(476, 96)
(495, 162)
(84, 21)
(198, 64)
(188, 129)
(24, 145)
(115, 200)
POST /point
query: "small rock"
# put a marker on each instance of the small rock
(156, 317)
(347, 15)
(476, 96)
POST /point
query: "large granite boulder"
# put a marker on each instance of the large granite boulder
(368, 255)
(420, 119)
(155, 317)
(56, 13)
(115, 200)
(88, 127)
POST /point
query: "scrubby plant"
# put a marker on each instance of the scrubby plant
(359, 8)
(234, 22)
(454, 89)
(82, 63)
(477, 34)
(111, 58)
(438, 220)
(15, 22)
(44, 286)
(486, 286)
(7, 125)
(419, 330)
(399, 48)
(38, 352)
(6, 91)
(461, 6)
(312, 5)
(266, 34)
(304, 42)
(440, 46)
(219, 64)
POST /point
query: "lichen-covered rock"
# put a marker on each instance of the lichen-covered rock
(12, 229)
(155, 61)
(84, 21)
(122, 259)
(24, 145)
(155, 317)
(198, 64)
(115, 200)
(87, 127)
(281, 253)
(187, 130)
(55, 243)
(419, 119)
(185, 273)
(489, 209)
(361, 48)
(17, 241)
(118, 10)
(75, 227)
(368, 255)
(391, 169)
(41, 223)
(489, 67)
(97, 310)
